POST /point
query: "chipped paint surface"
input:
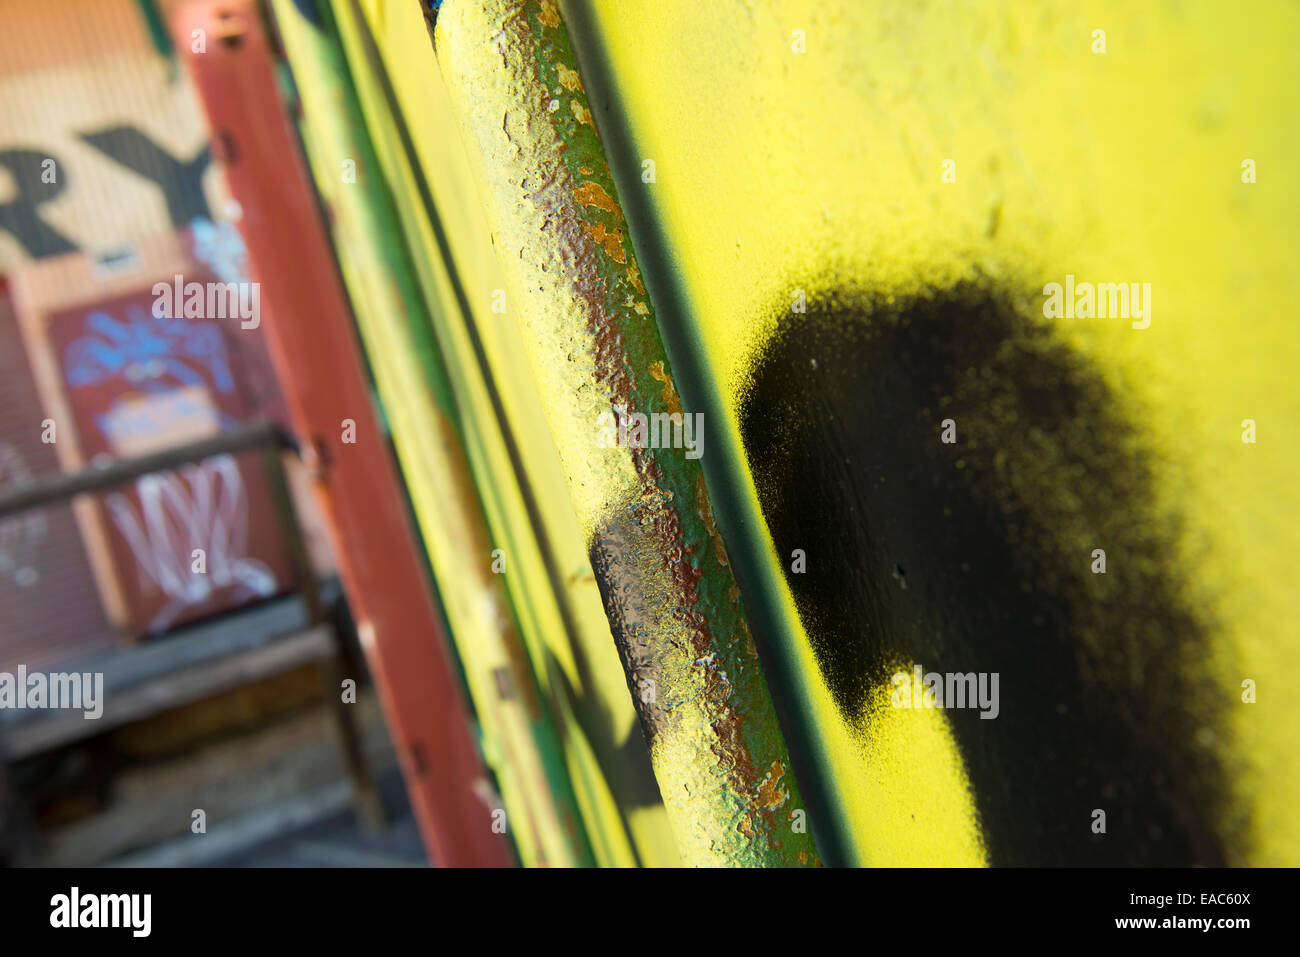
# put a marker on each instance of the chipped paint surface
(718, 753)
(565, 629)
(518, 736)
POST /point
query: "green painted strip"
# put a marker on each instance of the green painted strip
(668, 589)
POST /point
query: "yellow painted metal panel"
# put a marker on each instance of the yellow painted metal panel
(777, 170)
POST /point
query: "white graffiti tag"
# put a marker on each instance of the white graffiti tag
(199, 506)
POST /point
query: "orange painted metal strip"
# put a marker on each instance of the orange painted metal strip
(318, 360)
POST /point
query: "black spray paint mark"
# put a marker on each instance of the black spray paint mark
(1105, 702)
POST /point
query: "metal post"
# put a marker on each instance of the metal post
(312, 345)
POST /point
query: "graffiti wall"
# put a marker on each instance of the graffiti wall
(200, 538)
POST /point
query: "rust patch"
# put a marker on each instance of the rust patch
(705, 511)
(612, 242)
(771, 796)
(746, 641)
(593, 194)
(671, 399)
(548, 13)
(634, 276)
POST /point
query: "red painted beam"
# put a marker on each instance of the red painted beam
(318, 360)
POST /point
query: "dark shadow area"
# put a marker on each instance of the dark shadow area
(977, 556)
